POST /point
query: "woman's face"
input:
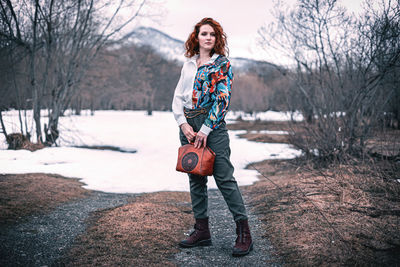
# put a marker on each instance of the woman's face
(206, 37)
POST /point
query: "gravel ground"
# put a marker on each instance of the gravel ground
(223, 235)
(42, 239)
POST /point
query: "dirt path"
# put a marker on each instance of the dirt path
(43, 238)
(124, 229)
(223, 238)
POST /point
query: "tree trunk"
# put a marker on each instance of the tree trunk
(51, 131)
(3, 127)
(35, 90)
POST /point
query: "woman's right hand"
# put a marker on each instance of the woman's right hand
(188, 132)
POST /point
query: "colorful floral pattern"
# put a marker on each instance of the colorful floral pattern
(212, 87)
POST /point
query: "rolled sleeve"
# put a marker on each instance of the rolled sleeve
(205, 129)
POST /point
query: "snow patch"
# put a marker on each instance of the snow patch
(152, 168)
(264, 116)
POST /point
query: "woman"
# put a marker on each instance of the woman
(200, 104)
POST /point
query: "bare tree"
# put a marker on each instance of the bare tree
(61, 39)
(12, 59)
(336, 69)
(380, 34)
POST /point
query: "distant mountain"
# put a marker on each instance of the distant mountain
(173, 49)
(167, 46)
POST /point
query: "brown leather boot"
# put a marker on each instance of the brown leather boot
(243, 243)
(199, 237)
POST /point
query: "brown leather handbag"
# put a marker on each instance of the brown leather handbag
(199, 161)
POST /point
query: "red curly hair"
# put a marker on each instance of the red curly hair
(192, 43)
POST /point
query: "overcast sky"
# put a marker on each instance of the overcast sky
(240, 20)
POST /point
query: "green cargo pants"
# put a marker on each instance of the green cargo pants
(218, 141)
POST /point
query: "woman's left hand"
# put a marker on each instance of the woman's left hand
(200, 140)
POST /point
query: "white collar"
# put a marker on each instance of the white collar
(195, 57)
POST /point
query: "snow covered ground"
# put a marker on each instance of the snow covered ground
(265, 116)
(152, 168)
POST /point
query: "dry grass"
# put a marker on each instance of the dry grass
(345, 214)
(266, 138)
(20, 141)
(385, 142)
(338, 216)
(26, 194)
(142, 233)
